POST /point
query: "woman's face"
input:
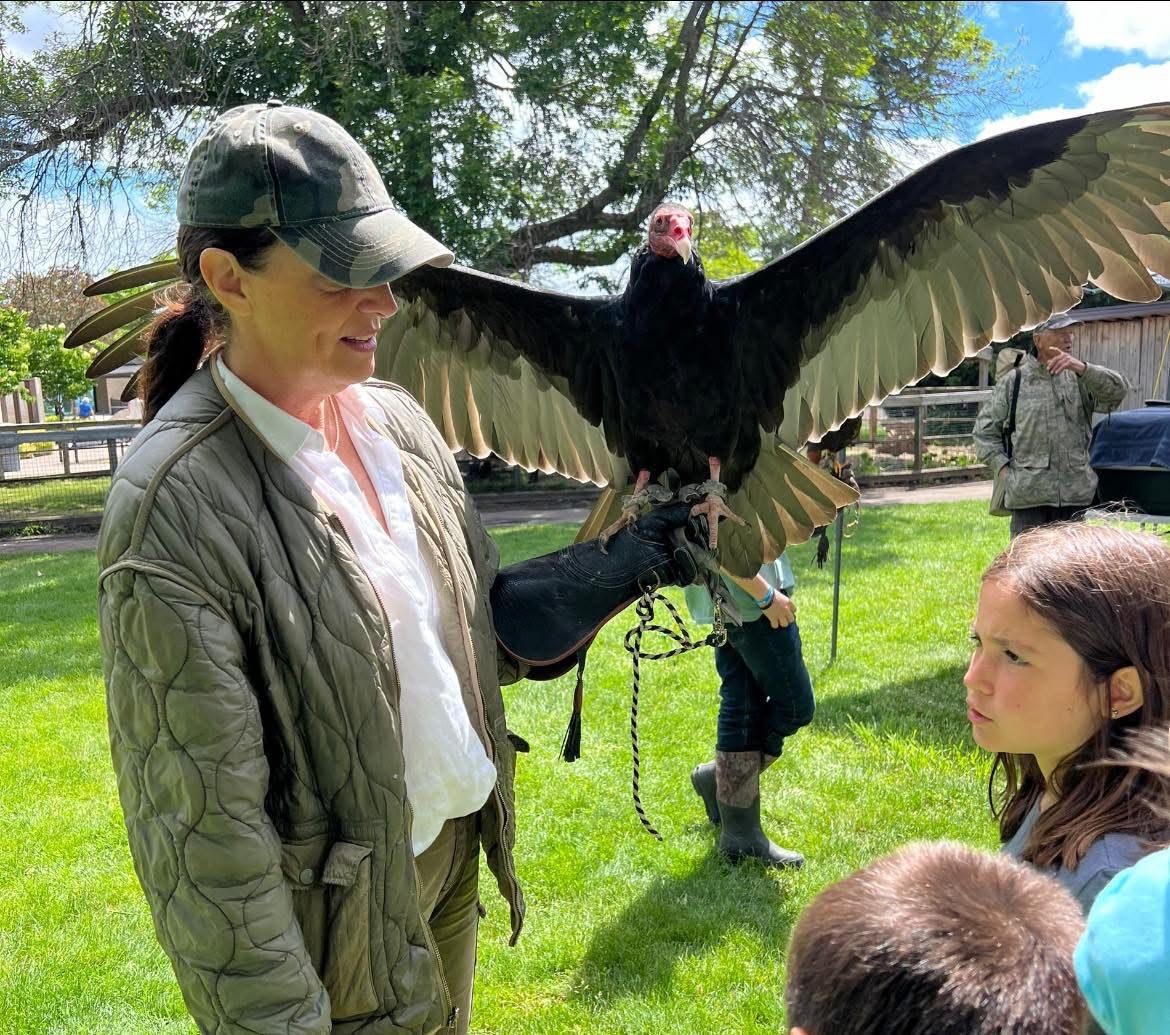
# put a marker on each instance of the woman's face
(302, 331)
(1028, 691)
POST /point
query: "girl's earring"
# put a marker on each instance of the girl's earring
(1113, 713)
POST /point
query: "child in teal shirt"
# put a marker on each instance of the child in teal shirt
(765, 695)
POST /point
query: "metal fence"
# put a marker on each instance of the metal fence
(920, 436)
(56, 471)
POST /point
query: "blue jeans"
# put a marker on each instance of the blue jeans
(766, 693)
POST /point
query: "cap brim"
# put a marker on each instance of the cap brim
(364, 250)
(1057, 323)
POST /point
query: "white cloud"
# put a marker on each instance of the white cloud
(40, 21)
(1126, 85)
(1122, 87)
(1006, 123)
(1141, 27)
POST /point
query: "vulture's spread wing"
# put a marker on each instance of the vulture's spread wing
(988, 239)
(499, 366)
(130, 315)
(507, 368)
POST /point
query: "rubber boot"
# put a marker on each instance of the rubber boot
(703, 781)
(741, 836)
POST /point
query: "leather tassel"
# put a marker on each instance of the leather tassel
(571, 745)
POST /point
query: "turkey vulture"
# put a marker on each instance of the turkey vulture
(984, 241)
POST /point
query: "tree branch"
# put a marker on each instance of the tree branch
(96, 124)
(579, 257)
(520, 247)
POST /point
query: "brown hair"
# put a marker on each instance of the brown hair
(1106, 593)
(191, 320)
(937, 938)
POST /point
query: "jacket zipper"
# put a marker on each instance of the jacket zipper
(451, 1013)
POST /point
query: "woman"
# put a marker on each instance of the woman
(296, 602)
(1072, 654)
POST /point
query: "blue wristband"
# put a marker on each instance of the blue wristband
(765, 601)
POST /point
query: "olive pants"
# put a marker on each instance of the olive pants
(448, 870)
(1034, 517)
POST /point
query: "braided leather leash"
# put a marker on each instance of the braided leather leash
(633, 643)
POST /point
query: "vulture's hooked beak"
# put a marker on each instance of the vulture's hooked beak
(683, 246)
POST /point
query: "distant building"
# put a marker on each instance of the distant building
(1131, 339)
(107, 389)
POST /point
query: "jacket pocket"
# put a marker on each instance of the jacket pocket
(1026, 483)
(1030, 461)
(331, 900)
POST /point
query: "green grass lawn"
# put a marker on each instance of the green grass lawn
(624, 934)
(28, 501)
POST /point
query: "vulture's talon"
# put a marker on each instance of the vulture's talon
(639, 502)
(626, 518)
(713, 508)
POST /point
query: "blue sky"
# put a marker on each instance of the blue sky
(1080, 57)
(1084, 56)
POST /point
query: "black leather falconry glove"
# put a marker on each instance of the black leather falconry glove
(547, 610)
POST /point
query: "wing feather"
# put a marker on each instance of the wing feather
(985, 241)
(501, 367)
(157, 274)
(783, 500)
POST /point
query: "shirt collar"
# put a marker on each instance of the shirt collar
(284, 433)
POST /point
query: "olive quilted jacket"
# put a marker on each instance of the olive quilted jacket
(254, 726)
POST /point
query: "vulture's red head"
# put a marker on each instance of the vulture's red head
(669, 235)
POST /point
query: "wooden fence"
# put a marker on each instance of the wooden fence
(1132, 347)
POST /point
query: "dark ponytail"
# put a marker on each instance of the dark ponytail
(192, 322)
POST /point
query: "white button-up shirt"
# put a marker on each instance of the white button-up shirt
(448, 773)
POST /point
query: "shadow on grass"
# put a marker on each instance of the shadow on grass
(637, 952)
(929, 708)
(888, 535)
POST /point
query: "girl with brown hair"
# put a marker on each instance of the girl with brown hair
(1072, 656)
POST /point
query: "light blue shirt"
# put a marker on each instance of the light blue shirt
(777, 574)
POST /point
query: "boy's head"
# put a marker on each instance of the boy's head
(937, 938)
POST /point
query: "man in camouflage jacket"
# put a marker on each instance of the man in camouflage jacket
(1048, 477)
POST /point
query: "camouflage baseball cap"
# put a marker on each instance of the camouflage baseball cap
(305, 178)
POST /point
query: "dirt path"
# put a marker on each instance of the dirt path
(509, 511)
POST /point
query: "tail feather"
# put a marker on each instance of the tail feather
(605, 511)
(782, 501)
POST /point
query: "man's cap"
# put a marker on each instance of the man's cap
(301, 175)
(1057, 322)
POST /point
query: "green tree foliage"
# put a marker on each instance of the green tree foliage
(521, 133)
(61, 370)
(14, 349)
(27, 351)
(43, 305)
